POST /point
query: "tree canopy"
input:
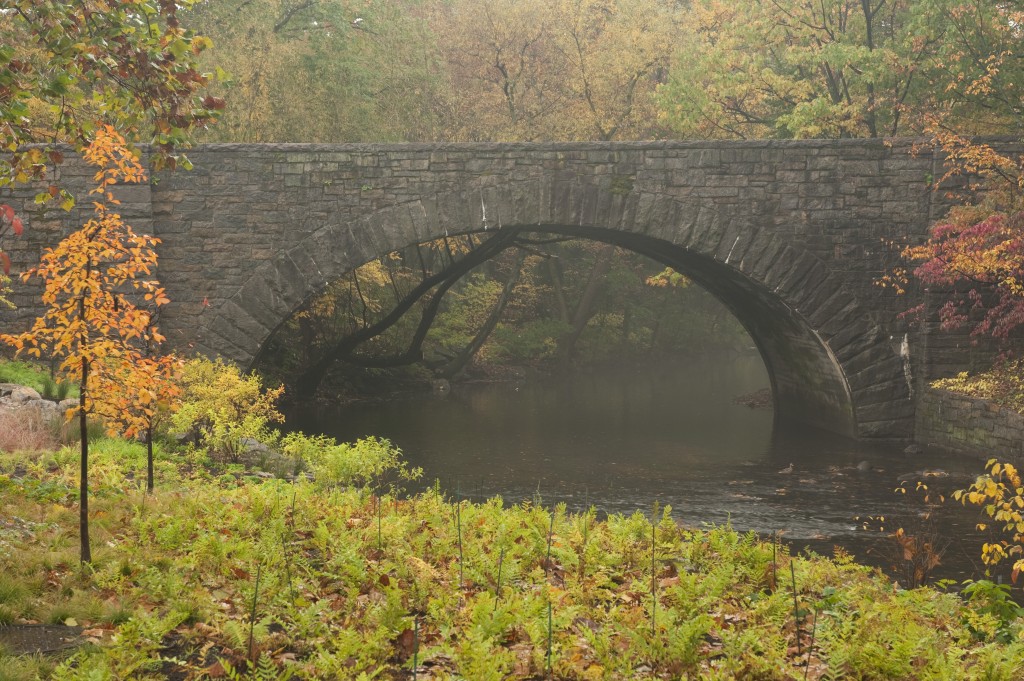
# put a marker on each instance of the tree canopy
(845, 68)
(503, 70)
(68, 68)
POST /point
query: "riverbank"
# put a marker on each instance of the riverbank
(316, 580)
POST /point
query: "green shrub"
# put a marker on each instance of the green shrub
(535, 339)
(995, 614)
(370, 461)
(221, 408)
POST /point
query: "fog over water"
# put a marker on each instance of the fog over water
(624, 439)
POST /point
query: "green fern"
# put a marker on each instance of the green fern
(264, 670)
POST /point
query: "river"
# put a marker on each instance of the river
(623, 440)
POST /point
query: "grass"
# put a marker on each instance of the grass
(36, 376)
(27, 430)
(171, 590)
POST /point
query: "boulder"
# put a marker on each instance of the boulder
(17, 394)
(253, 446)
(47, 410)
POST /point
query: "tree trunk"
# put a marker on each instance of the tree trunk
(585, 308)
(459, 362)
(149, 458)
(627, 319)
(556, 286)
(657, 331)
(83, 481)
(309, 380)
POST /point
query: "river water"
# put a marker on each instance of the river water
(622, 440)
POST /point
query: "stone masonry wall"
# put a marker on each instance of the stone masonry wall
(970, 425)
(791, 235)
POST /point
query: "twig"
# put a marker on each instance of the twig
(654, 578)
(380, 542)
(415, 644)
(294, 491)
(775, 564)
(458, 522)
(252, 616)
(550, 629)
(796, 608)
(288, 568)
(810, 650)
(497, 592)
(551, 534)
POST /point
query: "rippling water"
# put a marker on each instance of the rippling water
(625, 439)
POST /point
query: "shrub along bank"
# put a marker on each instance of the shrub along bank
(223, 574)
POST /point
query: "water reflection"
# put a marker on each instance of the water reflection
(626, 439)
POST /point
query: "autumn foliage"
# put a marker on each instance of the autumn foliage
(97, 321)
(90, 280)
(1000, 493)
(977, 252)
(69, 68)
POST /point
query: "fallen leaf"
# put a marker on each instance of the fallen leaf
(405, 643)
(215, 670)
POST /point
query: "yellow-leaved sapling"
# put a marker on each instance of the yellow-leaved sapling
(93, 280)
(1000, 493)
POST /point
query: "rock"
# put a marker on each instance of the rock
(189, 438)
(35, 639)
(18, 394)
(47, 410)
(864, 467)
(69, 403)
(913, 449)
(253, 446)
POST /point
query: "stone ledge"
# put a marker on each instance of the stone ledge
(969, 425)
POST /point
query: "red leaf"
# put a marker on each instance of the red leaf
(6, 262)
(7, 212)
(405, 643)
(16, 226)
(211, 102)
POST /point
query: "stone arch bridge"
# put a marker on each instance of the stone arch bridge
(790, 235)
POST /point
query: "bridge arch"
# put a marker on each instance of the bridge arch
(831, 365)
